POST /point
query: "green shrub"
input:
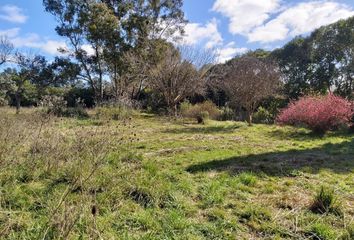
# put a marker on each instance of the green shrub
(185, 107)
(263, 116)
(326, 202)
(3, 100)
(57, 106)
(114, 112)
(200, 111)
(226, 114)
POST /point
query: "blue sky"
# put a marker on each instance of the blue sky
(228, 27)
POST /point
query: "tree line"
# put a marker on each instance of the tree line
(121, 51)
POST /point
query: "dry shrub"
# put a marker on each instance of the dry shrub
(200, 111)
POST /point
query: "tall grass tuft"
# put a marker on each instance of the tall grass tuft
(325, 202)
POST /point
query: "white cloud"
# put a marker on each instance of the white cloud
(209, 37)
(52, 47)
(33, 40)
(12, 13)
(229, 51)
(10, 33)
(88, 48)
(244, 15)
(302, 18)
(271, 20)
(208, 34)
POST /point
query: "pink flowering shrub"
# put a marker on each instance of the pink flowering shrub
(320, 114)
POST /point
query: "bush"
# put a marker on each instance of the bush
(3, 101)
(85, 94)
(57, 106)
(114, 111)
(201, 111)
(320, 114)
(263, 116)
(226, 114)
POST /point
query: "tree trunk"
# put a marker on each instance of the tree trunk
(176, 110)
(249, 118)
(18, 102)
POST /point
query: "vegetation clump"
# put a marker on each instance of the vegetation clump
(200, 111)
(325, 202)
(320, 114)
(114, 111)
(57, 106)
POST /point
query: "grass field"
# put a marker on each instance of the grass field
(151, 177)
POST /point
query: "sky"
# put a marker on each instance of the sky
(228, 27)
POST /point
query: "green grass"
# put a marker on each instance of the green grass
(152, 177)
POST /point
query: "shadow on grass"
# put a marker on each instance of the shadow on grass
(304, 134)
(203, 129)
(336, 157)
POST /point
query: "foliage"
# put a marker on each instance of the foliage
(319, 62)
(263, 116)
(320, 114)
(114, 111)
(227, 114)
(54, 105)
(200, 111)
(111, 29)
(178, 76)
(85, 94)
(247, 80)
(57, 106)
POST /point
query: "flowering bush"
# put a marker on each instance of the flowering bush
(320, 114)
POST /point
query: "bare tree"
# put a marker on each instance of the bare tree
(247, 80)
(181, 74)
(6, 48)
(173, 73)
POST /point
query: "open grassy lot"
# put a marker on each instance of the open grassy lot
(151, 177)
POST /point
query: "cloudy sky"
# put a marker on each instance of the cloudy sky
(229, 27)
